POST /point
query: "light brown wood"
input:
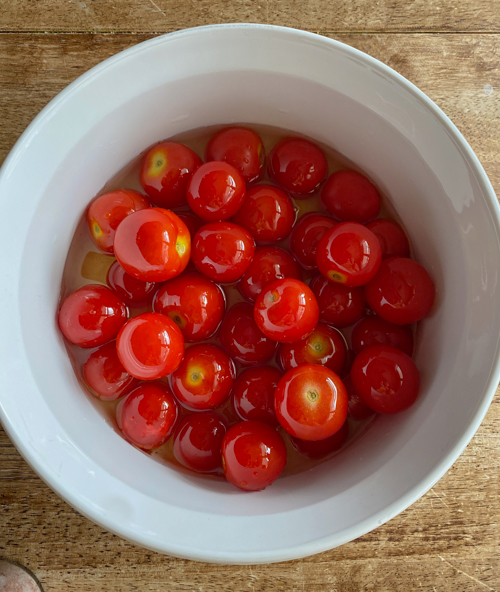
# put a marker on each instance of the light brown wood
(448, 540)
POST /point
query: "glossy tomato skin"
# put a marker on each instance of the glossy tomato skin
(253, 455)
(150, 346)
(242, 339)
(357, 408)
(306, 235)
(339, 305)
(92, 316)
(104, 374)
(253, 394)
(192, 222)
(298, 166)
(325, 346)
(311, 402)
(107, 211)
(375, 331)
(391, 237)
(350, 196)
(216, 191)
(166, 171)
(194, 303)
(198, 441)
(316, 449)
(204, 378)
(267, 213)
(268, 264)
(153, 245)
(147, 415)
(385, 378)
(131, 290)
(402, 292)
(349, 254)
(222, 251)
(286, 311)
(240, 147)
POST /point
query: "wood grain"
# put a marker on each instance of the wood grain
(450, 539)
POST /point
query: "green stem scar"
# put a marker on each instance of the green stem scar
(312, 395)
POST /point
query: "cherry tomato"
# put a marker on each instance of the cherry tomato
(242, 339)
(320, 448)
(222, 251)
(374, 331)
(350, 196)
(391, 237)
(204, 378)
(92, 316)
(166, 171)
(349, 254)
(105, 375)
(216, 191)
(402, 291)
(129, 289)
(267, 213)
(268, 264)
(310, 402)
(357, 408)
(192, 222)
(385, 378)
(150, 346)
(286, 311)
(147, 415)
(298, 166)
(253, 455)
(198, 441)
(194, 303)
(306, 235)
(325, 346)
(153, 245)
(253, 394)
(339, 305)
(240, 147)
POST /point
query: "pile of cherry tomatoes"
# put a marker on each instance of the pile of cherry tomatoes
(225, 230)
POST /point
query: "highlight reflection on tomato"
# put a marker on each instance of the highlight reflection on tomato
(253, 394)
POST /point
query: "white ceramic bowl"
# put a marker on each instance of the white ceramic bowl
(298, 81)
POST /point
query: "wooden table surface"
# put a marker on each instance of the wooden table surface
(449, 539)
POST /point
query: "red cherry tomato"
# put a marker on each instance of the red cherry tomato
(194, 303)
(374, 331)
(253, 455)
(310, 402)
(92, 316)
(357, 408)
(321, 448)
(268, 264)
(242, 339)
(166, 171)
(240, 147)
(153, 245)
(253, 394)
(198, 441)
(192, 222)
(298, 166)
(267, 213)
(129, 289)
(107, 211)
(391, 237)
(402, 291)
(222, 251)
(216, 191)
(350, 196)
(325, 346)
(150, 346)
(105, 375)
(147, 415)
(204, 378)
(385, 378)
(349, 254)
(286, 311)
(306, 235)
(339, 305)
